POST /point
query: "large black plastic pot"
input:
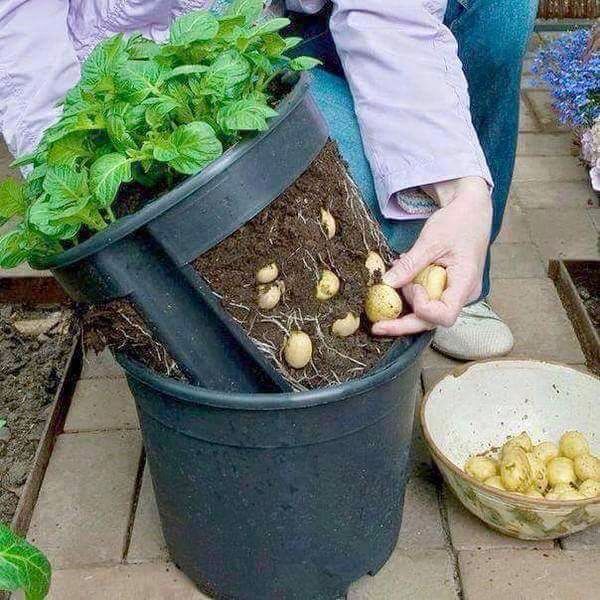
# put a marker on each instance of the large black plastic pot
(280, 496)
(145, 257)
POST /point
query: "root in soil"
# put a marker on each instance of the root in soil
(289, 233)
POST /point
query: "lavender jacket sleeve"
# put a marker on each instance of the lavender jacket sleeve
(409, 90)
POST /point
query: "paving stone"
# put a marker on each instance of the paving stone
(435, 366)
(101, 365)
(563, 233)
(514, 226)
(549, 168)
(421, 520)
(516, 260)
(541, 104)
(101, 404)
(527, 121)
(594, 215)
(588, 539)
(418, 575)
(82, 513)
(23, 270)
(550, 194)
(147, 541)
(545, 144)
(159, 581)
(537, 319)
(529, 575)
(468, 532)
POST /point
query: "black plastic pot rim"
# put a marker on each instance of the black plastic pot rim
(190, 394)
(129, 223)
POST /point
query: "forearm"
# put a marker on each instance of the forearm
(410, 94)
(37, 67)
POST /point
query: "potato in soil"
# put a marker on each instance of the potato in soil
(290, 232)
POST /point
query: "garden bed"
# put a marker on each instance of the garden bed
(40, 361)
(578, 285)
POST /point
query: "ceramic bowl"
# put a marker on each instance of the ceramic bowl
(480, 405)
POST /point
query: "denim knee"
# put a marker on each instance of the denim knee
(505, 29)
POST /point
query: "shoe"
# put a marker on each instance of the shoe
(478, 333)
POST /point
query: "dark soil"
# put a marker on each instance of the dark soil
(289, 233)
(118, 326)
(31, 367)
(586, 277)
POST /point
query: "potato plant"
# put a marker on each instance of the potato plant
(148, 113)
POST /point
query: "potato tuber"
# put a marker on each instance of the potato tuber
(268, 273)
(328, 286)
(328, 223)
(433, 278)
(374, 265)
(573, 444)
(346, 326)
(382, 303)
(481, 467)
(298, 350)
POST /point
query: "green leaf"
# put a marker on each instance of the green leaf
(164, 149)
(69, 149)
(104, 60)
(24, 160)
(230, 27)
(66, 184)
(292, 42)
(12, 199)
(186, 70)
(197, 146)
(192, 27)
(118, 134)
(48, 217)
(245, 115)
(158, 109)
(249, 9)
(106, 176)
(137, 79)
(139, 47)
(22, 566)
(14, 249)
(230, 69)
(270, 26)
(274, 44)
(304, 63)
(260, 61)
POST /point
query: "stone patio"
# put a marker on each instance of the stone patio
(97, 521)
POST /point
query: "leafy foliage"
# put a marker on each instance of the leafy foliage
(143, 112)
(22, 566)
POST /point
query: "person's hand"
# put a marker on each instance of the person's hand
(455, 237)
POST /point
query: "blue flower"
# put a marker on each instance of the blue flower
(574, 83)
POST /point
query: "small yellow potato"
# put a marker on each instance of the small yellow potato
(374, 264)
(328, 223)
(382, 303)
(495, 482)
(538, 472)
(571, 494)
(328, 286)
(533, 493)
(590, 488)
(560, 470)
(481, 467)
(269, 295)
(298, 350)
(433, 278)
(573, 444)
(346, 326)
(546, 451)
(518, 441)
(587, 467)
(268, 273)
(515, 470)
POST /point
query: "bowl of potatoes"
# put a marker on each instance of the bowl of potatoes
(518, 442)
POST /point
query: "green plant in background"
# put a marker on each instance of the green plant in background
(22, 566)
(145, 112)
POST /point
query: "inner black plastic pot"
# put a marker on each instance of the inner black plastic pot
(280, 496)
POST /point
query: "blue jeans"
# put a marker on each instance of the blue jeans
(492, 39)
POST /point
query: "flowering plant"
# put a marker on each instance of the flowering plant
(570, 66)
(572, 74)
